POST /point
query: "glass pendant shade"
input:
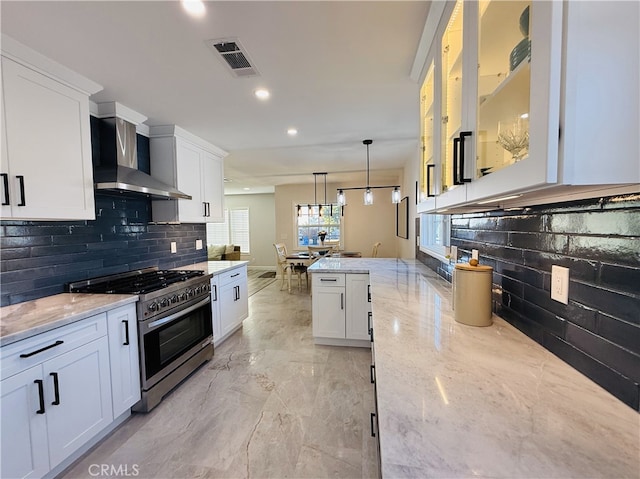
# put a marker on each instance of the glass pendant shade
(368, 197)
(395, 195)
(342, 199)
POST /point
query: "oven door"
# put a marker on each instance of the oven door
(167, 342)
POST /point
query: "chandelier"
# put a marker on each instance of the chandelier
(368, 194)
(320, 206)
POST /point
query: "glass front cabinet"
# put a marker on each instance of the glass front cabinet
(492, 103)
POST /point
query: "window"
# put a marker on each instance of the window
(435, 231)
(309, 223)
(234, 230)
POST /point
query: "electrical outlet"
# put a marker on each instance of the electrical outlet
(174, 247)
(560, 284)
(474, 254)
(198, 244)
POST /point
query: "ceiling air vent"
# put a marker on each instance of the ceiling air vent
(234, 56)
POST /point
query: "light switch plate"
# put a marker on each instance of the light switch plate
(174, 247)
(474, 254)
(198, 244)
(560, 284)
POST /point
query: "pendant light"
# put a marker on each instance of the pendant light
(321, 206)
(368, 194)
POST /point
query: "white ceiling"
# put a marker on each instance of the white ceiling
(338, 71)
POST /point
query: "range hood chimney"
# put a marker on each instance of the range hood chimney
(118, 166)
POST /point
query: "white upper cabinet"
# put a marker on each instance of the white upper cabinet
(523, 102)
(194, 167)
(46, 170)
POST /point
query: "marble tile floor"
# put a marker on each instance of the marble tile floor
(270, 404)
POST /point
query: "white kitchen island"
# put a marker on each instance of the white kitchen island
(464, 401)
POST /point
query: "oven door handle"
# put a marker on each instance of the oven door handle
(182, 312)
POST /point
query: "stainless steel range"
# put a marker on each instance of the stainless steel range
(174, 324)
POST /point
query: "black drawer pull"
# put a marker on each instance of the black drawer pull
(126, 332)
(234, 275)
(369, 293)
(21, 181)
(371, 333)
(429, 168)
(328, 279)
(56, 389)
(373, 416)
(28, 355)
(41, 395)
(215, 292)
(5, 184)
(372, 372)
(369, 315)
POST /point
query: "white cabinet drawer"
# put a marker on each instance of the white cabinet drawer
(42, 347)
(233, 275)
(327, 279)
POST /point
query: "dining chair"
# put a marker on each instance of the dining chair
(289, 268)
(374, 252)
(284, 265)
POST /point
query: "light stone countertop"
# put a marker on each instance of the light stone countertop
(23, 320)
(460, 401)
(214, 267)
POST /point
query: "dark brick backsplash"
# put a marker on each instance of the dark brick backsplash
(598, 332)
(39, 257)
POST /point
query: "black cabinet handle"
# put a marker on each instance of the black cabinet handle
(369, 293)
(429, 168)
(456, 169)
(341, 300)
(373, 416)
(208, 209)
(369, 314)
(126, 332)
(331, 280)
(5, 184)
(28, 355)
(234, 275)
(56, 389)
(461, 177)
(40, 395)
(215, 292)
(372, 374)
(371, 334)
(204, 207)
(21, 181)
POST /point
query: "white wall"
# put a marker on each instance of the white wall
(262, 227)
(406, 247)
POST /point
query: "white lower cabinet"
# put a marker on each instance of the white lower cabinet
(25, 451)
(340, 309)
(123, 356)
(56, 396)
(229, 302)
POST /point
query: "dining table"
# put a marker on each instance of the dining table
(306, 258)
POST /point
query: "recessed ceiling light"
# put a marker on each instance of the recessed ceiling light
(246, 189)
(292, 132)
(194, 7)
(262, 93)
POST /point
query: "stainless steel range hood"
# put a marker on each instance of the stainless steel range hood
(118, 166)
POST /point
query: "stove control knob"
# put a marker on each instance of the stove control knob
(174, 299)
(182, 297)
(206, 287)
(197, 290)
(153, 307)
(189, 293)
(163, 303)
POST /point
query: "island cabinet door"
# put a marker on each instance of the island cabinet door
(358, 306)
(329, 307)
